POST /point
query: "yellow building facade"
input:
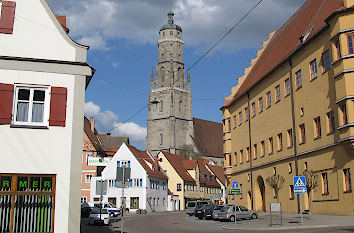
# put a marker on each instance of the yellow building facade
(294, 111)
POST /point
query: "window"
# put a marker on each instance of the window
(287, 87)
(290, 137)
(260, 104)
(270, 146)
(343, 109)
(228, 125)
(235, 156)
(241, 196)
(83, 199)
(253, 109)
(31, 106)
(305, 166)
(337, 45)
(248, 177)
(313, 67)
(247, 114)
(255, 151)
(179, 187)
(317, 124)
(241, 156)
(280, 141)
(161, 106)
(230, 160)
(274, 170)
(134, 203)
(290, 168)
(262, 148)
(291, 192)
(248, 154)
(302, 133)
(350, 43)
(240, 118)
(235, 121)
(324, 183)
(298, 79)
(161, 139)
(330, 122)
(347, 180)
(88, 178)
(269, 99)
(326, 61)
(277, 94)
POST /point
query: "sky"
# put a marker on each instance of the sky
(123, 34)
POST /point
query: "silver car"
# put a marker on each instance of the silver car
(216, 211)
(228, 213)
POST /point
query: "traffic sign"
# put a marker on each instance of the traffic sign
(235, 185)
(235, 192)
(300, 190)
(299, 182)
(211, 197)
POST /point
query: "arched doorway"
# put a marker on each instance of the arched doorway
(259, 196)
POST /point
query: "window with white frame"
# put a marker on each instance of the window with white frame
(31, 105)
(83, 199)
(88, 178)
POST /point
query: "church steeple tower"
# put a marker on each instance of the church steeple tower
(170, 118)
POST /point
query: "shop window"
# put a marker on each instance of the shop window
(313, 69)
(347, 180)
(298, 76)
(324, 177)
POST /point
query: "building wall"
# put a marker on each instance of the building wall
(325, 154)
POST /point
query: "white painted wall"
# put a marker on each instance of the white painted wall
(137, 171)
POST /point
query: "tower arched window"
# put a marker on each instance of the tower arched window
(161, 106)
(162, 74)
(154, 106)
(161, 139)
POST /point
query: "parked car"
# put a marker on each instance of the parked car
(216, 211)
(206, 211)
(191, 205)
(199, 211)
(228, 213)
(86, 208)
(112, 210)
(100, 216)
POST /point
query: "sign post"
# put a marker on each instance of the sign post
(123, 174)
(299, 188)
(235, 189)
(101, 189)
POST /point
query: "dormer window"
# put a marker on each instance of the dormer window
(304, 37)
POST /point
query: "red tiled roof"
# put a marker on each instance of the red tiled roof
(144, 158)
(311, 15)
(208, 137)
(177, 162)
(203, 171)
(218, 172)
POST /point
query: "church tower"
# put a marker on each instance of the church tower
(170, 117)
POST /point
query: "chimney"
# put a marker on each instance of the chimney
(156, 163)
(92, 123)
(348, 3)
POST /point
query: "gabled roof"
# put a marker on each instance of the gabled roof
(176, 162)
(218, 172)
(208, 137)
(144, 158)
(111, 144)
(309, 18)
(202, 163)
(91, 136)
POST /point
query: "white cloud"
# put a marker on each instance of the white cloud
(202, 21)
(115, 64)
(108, 121)
(94, 41)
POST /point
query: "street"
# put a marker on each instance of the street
(180, 222)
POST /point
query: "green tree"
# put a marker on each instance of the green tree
(276, 182)
(311, 183)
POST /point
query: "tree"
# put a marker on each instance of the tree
(311, 183)
(276, 182)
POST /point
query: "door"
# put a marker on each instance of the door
(134, 203)
(244, 212)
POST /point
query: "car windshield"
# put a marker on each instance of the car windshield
(225, 209)
(191, 204)
(242, 208)
(97, 211)
(111, 205)
(218, 207)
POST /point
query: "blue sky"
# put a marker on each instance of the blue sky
(123, 38)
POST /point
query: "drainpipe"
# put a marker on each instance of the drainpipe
(250, 142)
(294, 126)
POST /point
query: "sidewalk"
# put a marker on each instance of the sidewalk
(290, 221)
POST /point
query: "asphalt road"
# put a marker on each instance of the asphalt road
(181, 223)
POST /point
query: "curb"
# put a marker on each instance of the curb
(225, 227)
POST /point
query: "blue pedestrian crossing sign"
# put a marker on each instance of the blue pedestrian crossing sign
(299, 182)
(235, 185)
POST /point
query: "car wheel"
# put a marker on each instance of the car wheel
(232, 219)
(253, 216)
(200, 217)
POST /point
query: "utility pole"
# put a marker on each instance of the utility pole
(123, 202)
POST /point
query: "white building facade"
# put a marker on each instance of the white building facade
(43, 76)
(147, 187)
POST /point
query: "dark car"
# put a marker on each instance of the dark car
(198, 211)
(205, 211)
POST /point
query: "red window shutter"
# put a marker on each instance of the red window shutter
(6, 100)
(7, 17)
(58, 106)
